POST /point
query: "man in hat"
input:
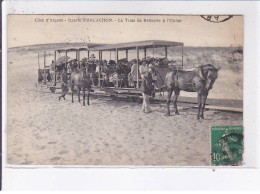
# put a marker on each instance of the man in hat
(144, 69)
(64, 84)
(92, 57)
(147, 85)
(134, 71)
(92, 69)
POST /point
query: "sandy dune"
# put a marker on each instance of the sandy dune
(42, 130)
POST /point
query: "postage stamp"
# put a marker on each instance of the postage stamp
(227, 145)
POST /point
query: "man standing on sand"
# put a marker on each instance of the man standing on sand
(64, 84)
(146, 86)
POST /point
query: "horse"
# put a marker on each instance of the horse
(64, 84)
(60, 67)
(199, 80)
(72, 65)
(82, 80)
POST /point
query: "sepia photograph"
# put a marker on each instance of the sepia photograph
(125, 90)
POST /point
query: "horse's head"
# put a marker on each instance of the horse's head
(84, 69)
(209, 74)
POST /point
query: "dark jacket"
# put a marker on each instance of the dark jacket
(147, 85)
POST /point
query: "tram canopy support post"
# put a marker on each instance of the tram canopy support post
(66, 64)
(182, 57)
(99, 67)
(44, 66)
(153, 53)
(55, 76)
(79, 57)
(145, 53)
(116, 54)
(126, 54)
(137, 57)
(38, 60)
(166, 52)
(88, 54)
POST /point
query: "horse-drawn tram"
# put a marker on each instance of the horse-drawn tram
(119, 75)
(115, 70)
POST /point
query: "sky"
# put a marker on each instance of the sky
(191, 30)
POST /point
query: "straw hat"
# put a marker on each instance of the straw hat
(134, 61)
(144, 61)
(92, 56)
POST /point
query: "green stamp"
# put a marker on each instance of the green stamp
(227, 145)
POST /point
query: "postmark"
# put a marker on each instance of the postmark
(227, 145)
(216, 18)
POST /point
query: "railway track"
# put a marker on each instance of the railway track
(225, 105)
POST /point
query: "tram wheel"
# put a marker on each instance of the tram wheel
(52, 89)
(134, 98)
(113, 97)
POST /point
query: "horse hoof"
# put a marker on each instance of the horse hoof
(198, 118)
(177, 113)
(59, 98)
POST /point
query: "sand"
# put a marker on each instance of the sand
(44, 131)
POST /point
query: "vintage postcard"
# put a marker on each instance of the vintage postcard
(125, 90)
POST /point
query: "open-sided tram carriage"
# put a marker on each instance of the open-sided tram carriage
(46, 70)
(138, 47)
(114, 89)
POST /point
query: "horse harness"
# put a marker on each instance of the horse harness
(187, 83)
(176, 83)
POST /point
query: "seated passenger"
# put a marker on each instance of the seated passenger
(92, 57)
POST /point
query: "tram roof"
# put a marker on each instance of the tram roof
(121, 46)
(134, 45)
(72, 50)
(82, 47)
